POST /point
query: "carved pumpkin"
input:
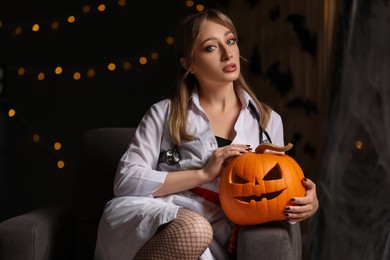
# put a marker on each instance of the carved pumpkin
(256, 187)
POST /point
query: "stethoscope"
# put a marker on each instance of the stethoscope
(172, 156)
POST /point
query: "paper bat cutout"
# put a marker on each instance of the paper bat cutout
(308, 40)
(307, 105)
(281, 80)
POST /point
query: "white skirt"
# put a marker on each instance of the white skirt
(129, 222)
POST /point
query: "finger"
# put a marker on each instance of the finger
(309, 184)
(233, 151)
(297, 217)
(298, 209)
(296, 213)
(300, 200)
(242, 148)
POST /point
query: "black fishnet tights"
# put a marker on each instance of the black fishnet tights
(185, 237)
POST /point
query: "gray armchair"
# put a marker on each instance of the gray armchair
(69, 232)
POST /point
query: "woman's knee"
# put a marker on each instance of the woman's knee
(194, 225)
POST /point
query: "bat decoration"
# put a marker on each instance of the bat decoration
(307, 105)
(253, 3)
(255, 63)
(308, 40)
(274, 13)
(309, 149)
(281, 80)
(297, 137)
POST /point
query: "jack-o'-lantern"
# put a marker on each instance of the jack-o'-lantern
(257, 186)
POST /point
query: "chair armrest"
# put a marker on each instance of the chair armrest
(40, 234)
(270, 241)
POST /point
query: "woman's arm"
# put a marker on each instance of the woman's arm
(184, 180)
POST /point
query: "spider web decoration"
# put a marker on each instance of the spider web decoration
(353, 220)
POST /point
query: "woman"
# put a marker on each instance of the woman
(162, 207)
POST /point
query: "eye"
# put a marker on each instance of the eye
(274, 174)
(231, 41)
(210, 48)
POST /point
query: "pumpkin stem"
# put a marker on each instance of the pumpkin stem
(269, 148)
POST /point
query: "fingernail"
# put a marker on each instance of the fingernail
(248, 149)
(287, 208)
(286, 214)
(292, 199)
(305, 179)
(248, 145)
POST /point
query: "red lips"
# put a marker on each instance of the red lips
(230, 68)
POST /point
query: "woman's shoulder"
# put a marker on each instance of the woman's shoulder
(275, 115)
(275, 119)
(162, 105)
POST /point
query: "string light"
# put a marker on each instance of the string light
(126, 65)
(86, 9)
(21, 71)
(359, 145)
(60, 164)
(57, 146)
(43, 73)
(170, 40)
(154, 55)
(200, 8)
(41, 76)
(121, 2)
(18, 30)
(35, 27)
(58, 70)
(190, 3)
(91, 72)
(11, 112)
(111, 66)
(76, 76)
(55, 25)
(101, 8)
(71, 19)
(143, 60)
(36, 138)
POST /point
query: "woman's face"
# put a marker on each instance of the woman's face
(216, 58)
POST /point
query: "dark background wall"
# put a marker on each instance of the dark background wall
(274, 38)
(287, 45)
(295, 52)
(59, 108)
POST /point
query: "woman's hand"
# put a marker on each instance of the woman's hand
(183, 180)
(220, 157)
(304, 207)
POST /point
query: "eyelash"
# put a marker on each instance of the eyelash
(210, 48)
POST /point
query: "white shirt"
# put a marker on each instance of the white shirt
(133, 215)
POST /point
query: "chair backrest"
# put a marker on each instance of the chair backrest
(98, 158)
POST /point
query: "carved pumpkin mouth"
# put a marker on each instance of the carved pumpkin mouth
(267, 196)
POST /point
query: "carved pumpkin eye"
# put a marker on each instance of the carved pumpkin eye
(238, 179)
(274, 174)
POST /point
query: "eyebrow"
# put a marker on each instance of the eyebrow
(214, 38)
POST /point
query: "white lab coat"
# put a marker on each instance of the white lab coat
(132, 217)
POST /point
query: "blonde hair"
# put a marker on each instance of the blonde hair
(186, 38)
